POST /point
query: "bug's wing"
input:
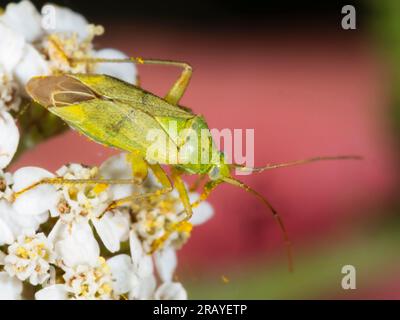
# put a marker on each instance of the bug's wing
(113, 112)
(58, 90)
(118, 90)
(117, 125)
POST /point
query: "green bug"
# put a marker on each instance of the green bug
(120, 115)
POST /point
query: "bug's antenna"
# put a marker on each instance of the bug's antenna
(110, 60)
(296, 163)
(275, 214)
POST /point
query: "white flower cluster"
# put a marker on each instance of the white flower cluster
(62, 241)
(29, 47)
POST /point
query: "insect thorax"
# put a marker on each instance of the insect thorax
(196, 152)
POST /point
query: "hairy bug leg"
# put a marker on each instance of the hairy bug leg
(140, 172)
(161, 177)
(179, 87)
(62, 181)
(208, 188)
(275, 214)
(183, 194)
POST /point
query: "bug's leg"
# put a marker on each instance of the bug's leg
(179, 87)
(139, 173)
(177, 90)
(211, 185)
(139, 167)
(275, 215)
(161, 177)
(208, 188)
(183, 194)
(197, 182)
(61, 181)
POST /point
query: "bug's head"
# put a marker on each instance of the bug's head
(58, 91)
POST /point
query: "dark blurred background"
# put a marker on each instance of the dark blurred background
(215, 14)
(307, 87)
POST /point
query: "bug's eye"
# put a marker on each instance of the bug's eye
(214, 173)
(58, 91)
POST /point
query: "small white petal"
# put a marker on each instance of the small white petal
(41, 218)
(124, 71)
(12, 224)
(26, 176)
(7, 226)
(79, 246)
(122, 273)
(53, 292)
(112, 228)
(142, 263)
(12, 47)
(145, 289)
(201, 213)
(23, 18)
(165, 261)
(171, 291)
(58, 232)
(68, 21)
(10, 287)
(9, 138)
(117, 167)
(32, 222)
(6, 235)
(31, 64)
(40, 198)
(105, 232)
